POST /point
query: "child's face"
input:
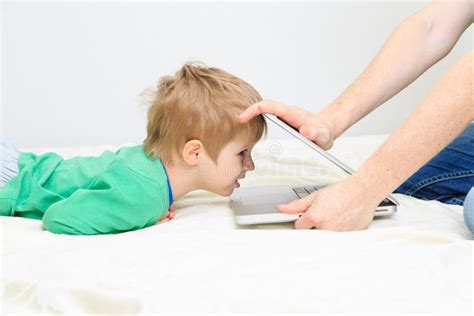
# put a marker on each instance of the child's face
(232, 164)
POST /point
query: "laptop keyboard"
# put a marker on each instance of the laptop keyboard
(302, 192)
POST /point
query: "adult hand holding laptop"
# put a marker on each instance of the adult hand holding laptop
(443, 119)
(343, 206)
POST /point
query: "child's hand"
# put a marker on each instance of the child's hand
(169, 216)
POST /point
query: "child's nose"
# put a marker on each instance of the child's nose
(249, 165)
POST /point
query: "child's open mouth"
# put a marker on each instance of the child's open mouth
(236, 183)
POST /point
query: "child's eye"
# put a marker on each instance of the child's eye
(242, 153)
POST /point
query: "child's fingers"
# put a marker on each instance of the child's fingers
(165, 217)
(169, 215)
(163, 220)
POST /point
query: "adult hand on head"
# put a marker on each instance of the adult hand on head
(342, 206)
(310, 125)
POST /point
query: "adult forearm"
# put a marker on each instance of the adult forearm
(442, 115)
(417, 43)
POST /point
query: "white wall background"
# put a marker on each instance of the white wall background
(71, 72)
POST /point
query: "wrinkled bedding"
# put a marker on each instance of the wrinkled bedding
(418, 260)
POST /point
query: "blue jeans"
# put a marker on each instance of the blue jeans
(447, 177)
(469, 211)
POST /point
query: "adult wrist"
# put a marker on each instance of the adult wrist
(336, 118)
(369, 180)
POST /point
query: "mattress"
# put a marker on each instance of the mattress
(418, 260)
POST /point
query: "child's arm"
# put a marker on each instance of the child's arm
(117, 201)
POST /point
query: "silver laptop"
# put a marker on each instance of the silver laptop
(258, 205)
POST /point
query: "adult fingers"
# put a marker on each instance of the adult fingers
(319, 135)
(297, 206)
(306, 221)
(265, 106)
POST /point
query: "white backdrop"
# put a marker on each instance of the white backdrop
(71, 72)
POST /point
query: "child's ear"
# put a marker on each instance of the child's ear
(192, 150)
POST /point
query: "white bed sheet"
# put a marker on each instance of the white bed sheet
(418, 260)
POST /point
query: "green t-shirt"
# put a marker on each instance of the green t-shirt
(114, 192)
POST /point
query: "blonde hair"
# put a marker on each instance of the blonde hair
(199, 102)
